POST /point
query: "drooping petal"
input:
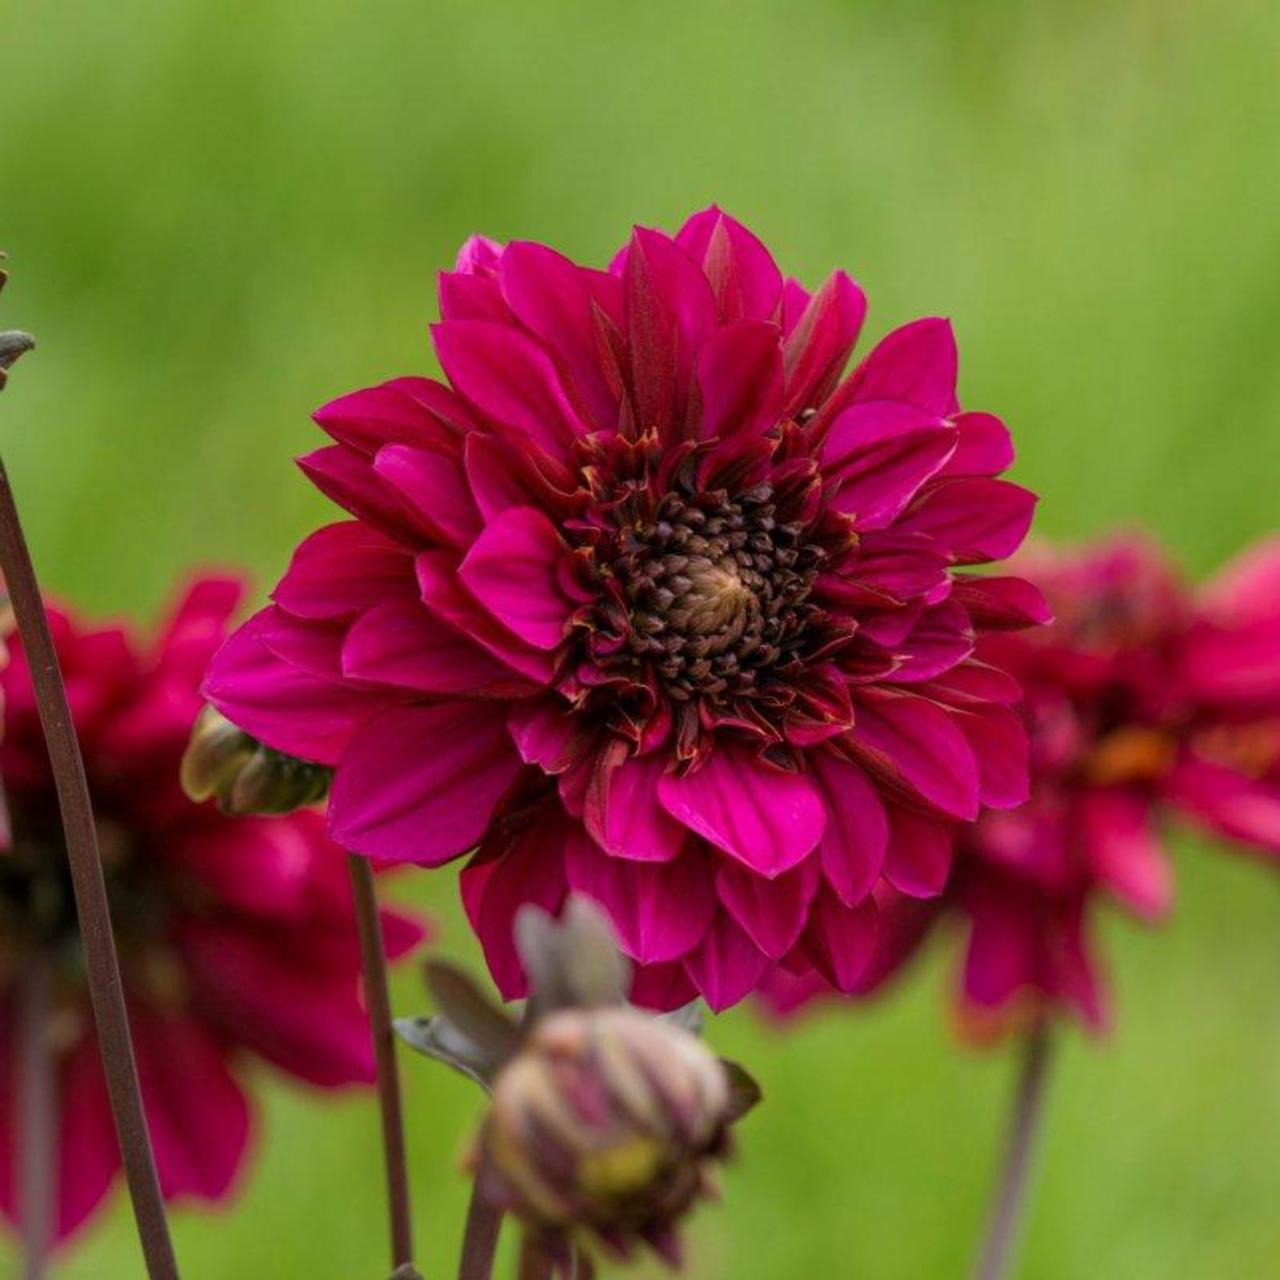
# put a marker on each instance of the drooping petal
(660, 909)
(766, 818)
(1238, 806)
(514, 568)
(841, 940)
(774, 912)
(853, 845)
(419, 784)
(88, 1150)
(918, 858)
(726, 966)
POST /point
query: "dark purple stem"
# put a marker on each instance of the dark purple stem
(480, 1239)
(36, 1148)
(535, 1262)
(105, 990)
(377, 996)
(1028, 1108)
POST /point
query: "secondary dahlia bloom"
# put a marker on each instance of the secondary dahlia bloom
(652, 603)
(1143, 700)
(236, 936)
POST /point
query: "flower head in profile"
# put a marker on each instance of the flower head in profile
(1144, 700)
(236, 936)
(653, 602)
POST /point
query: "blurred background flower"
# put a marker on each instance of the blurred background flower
(220, 220)
(236, 936)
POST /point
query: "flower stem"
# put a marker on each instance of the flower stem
(373, 958)
(106, 992)
(1028, 1108)
(480, 1240)
(37, 1128)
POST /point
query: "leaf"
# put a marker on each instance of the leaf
(744, 1092)
(438, 1038)
(469, 1009)
(688, 1018)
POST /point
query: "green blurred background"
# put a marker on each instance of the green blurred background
(222, 213)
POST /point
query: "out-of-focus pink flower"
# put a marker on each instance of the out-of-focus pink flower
(1228, 775)
(653, 604)
(236, 935)
(1141, 700)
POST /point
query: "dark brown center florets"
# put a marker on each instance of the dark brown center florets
(717, 591)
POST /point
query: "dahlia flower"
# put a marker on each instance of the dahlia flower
(1143, 701)
(236, 935)
(650, 602)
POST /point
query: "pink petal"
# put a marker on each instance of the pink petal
(282, 705)
(660, 909)
(434, 487)
(399, 643)
(500, 478)
(1247, 589)
(263, 990)
(998, 737)
(479, 255)
(88, 1151)
(527, 866)
(662, 987)
(853, 846)
(549, 733)
(446, 597)
(841, 940)
(1240, 807)
(510, 379)
(668, 310)
(887, 564)
(941, 638)
(1117, 825)
(343, 568)
(366, 420)
(471, 297)
(1000, 604)
(740, 377)
(557, 300)
(985, 447)
(623, 812)
(726, 966)
(819, 344)
(743, 276)
(419, 784)
(878, 454)
(514, 569)
(974, 518)
(772, 912)
(767, 819)
(914, 743)
(918, 859)
(347, 478)
(916, 364)
(196, 1112)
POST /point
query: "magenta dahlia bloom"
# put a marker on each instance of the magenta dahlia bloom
(1142, 700)
(236, 935)
(652, 603)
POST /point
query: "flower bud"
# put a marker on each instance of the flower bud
(604, 1124)
(244, 775)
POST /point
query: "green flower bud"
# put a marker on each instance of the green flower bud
(245, 776)
(605, 1124)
